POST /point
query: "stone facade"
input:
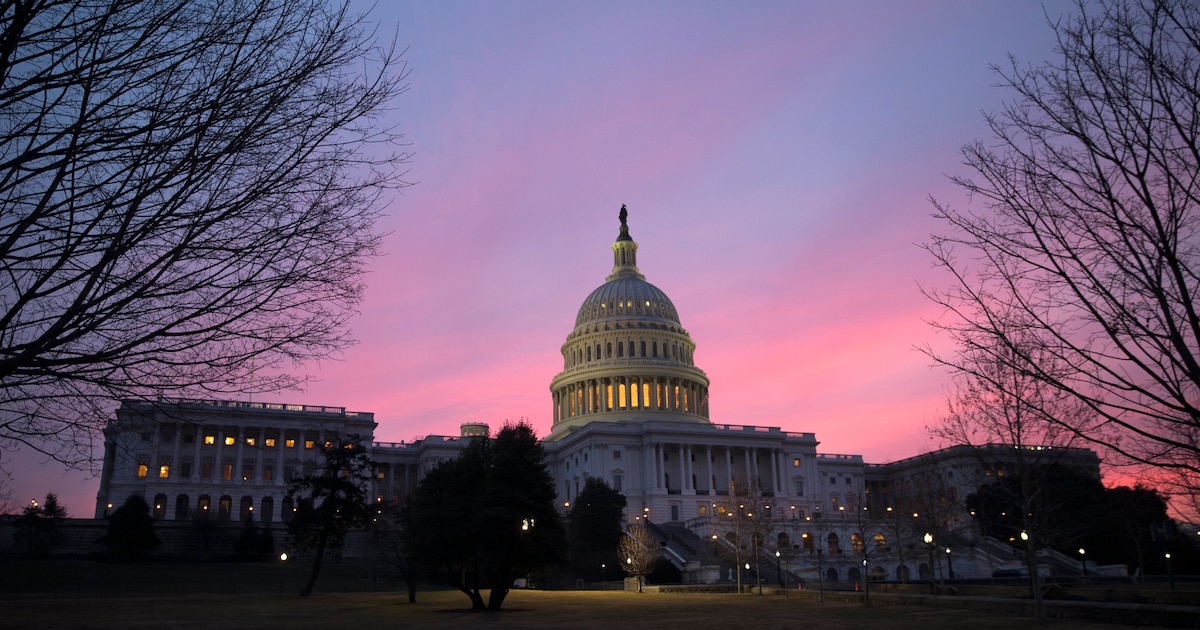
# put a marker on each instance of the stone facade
(630, 407)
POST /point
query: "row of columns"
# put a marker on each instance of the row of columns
(406, 474)
(656, 460)
(240, 434)
(630, 392)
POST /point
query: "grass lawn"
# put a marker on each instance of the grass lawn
(523, 609)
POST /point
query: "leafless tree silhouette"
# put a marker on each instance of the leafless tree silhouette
(1081, 267)
(188, 193)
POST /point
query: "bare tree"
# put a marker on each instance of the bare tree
(1016, 425)
(1082, 268)
(748, 519)
(638, 551)
(187, 198)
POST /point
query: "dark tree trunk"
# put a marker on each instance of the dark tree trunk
(410, 580)
(316, 567)
(496, 598)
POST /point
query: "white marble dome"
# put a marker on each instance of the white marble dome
(628, 357)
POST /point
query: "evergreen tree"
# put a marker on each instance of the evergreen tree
(594, 526)
(131, 529)
(488, 517)
(36, 530)
(328, 503)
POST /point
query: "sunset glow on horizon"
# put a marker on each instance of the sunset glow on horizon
(776, 158)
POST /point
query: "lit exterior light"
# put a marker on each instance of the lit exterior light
(1024, 536)
(928, 538)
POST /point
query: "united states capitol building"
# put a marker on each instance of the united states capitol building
(630, 406)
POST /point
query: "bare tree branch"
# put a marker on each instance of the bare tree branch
(1081, 270)
(188, 193)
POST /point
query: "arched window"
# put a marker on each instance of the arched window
(287, 509)
(631, 353)
(224, 507)
(832, 539)
(831, 575)
(902, 573)
(181, 507)
(856, 542)
(643, 348)
(246, 509)
(608, 350)
(880, 542)
(808, 544)
(655, 349)
(620, 350)
(266, 510)
(782, 541)
(854, 575)
(589, 354)
(160, 507)
(202, 506)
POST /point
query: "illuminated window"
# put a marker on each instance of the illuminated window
(227, 472)
(270, 442)
(645, 394)
(206, 469)
(229, 440)
(143, 469)
(309, 443)
(380, 475)
(250, 441)
(608, 389)
(210, 439)
(268, 472)
(328, 444)
(796, 462)
(289, 443)
(164, 471)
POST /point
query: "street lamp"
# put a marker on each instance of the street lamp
(949, 565)
(1082, 561)
(928, 538)
(782, 572)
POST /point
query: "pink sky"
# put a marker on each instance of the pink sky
(776, 159)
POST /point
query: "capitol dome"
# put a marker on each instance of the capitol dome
(625, 298)
(628, 357)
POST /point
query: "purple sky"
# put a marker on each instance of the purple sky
(776, 159)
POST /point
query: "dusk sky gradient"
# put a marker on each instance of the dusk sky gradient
(776, 159)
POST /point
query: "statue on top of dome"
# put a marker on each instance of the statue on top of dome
(624, 214)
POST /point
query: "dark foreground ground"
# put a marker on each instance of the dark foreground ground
(85, 594)
(523, 609)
